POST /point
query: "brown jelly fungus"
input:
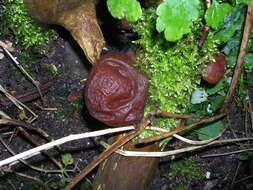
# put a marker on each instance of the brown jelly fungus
(115, 92)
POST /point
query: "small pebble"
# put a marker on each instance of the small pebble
(208, 174)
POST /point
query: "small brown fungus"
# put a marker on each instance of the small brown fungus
(115, 91)
(215, 70)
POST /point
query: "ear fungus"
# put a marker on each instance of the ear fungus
(215, 70)
(115, 91)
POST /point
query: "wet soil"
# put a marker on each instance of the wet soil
(71, 117)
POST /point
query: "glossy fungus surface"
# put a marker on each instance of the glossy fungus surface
(215, 70)
(115, 91)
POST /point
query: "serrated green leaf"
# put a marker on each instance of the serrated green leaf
(216, 14)
(67, 159)
(210, 130)
(175, 17)
(129, 9)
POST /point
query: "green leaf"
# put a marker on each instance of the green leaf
(67, 159)
(210, 130)
(244, 157)
(216, 103)
(175, 17)
(248, 60)
(198, 96)
(129, 9)
(233, 22)
(216, 14)
(250, 79)
(233, 43)
(246, 2)
(212, 89)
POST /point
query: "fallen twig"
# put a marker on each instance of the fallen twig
(19, 104)
(235, 174)
(6, 46)
(5, 119)
(32, 166)
(192, 142)
(174, 152)
(227, 153)
(179, 129)
(36, 143)
(243, 179)
(34, 151)
(28, 96)
(175, 115)
(35, 83)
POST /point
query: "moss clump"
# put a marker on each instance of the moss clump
(188, 168)
(24, 28)
(174, 69)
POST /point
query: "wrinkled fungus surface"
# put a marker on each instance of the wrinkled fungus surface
(115, 91)
(215, 70)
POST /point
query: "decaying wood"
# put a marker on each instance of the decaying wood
(121, 172)
(77, 16)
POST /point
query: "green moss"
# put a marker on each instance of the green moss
(77, 105)
(174, 69)
(187, 168)
(24, 28)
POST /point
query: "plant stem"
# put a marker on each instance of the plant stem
(242, 53)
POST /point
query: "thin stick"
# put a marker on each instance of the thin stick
(243, 179)
(235, 175)
(36, 143)
(227, 153)
(189, 141)
(173, 152)
(179, 129)
(31, 166)
(27, 96)
(6, 46)
(32, 178)
(35, 83)
(18, 103)
(31, 152)
(175, 115)
(120, 142)
(25, 125)
(240, 60)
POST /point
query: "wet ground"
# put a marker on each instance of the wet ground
(71, 117)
